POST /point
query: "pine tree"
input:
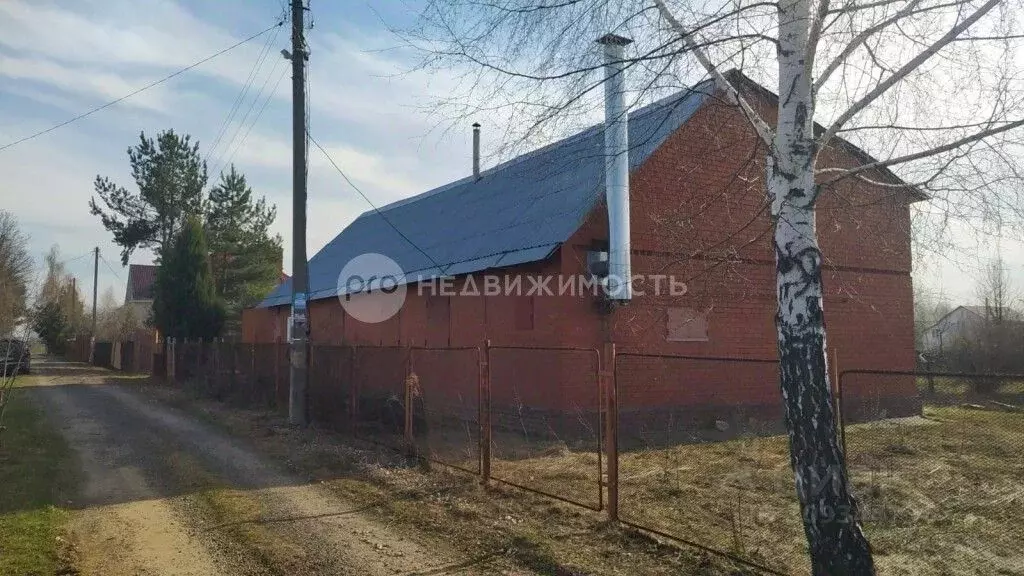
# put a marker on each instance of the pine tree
(170, 176)
(185, 304)
(245, 258)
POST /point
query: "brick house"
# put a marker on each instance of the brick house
(698, 214)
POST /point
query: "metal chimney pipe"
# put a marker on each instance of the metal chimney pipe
(616, 143)
(476, 151)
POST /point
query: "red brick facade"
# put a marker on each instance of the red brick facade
(698, 213)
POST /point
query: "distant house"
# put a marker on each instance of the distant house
(140, 290)
(962, 324)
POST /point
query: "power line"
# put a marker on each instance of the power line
(253, 73)
(372, 205)
(228, 153)
(75, 259)
(111, 268)
(140, 90)
(259, 114)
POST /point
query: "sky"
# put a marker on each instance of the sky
(61, 58)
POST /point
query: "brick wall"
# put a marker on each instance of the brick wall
(698, 213)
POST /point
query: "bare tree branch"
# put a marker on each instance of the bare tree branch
(922, 154)
(760, 126)
(904, 70)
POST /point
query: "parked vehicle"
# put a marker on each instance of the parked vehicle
(15, 357)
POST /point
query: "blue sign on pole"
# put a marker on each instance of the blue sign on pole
(299, 302)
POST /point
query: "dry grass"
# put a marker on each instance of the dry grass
(506, 531)
(939, 494)
(963, 386)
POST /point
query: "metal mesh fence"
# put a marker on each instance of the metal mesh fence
(266, 373)
(243, 389)
(939, 491)
(545, 422)
(446, 405)
(330, 386)
(379, 376)
(935, 459)
(243, 374)
(703, 458)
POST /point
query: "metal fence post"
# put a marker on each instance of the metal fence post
(611, 429)
(410, 443)
(232, 381)
(841, 420)
(214, 383)
(277, 374)
(169, 362)
(484, 413)
(353, 392)
(254, 379)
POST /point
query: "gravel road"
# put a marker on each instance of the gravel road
(166, 494)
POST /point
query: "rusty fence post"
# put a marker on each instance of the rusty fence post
(484, 413)
(254, 385)
(232, 379)
(840, 417)
(353, 392)
(611, 429)
(410, 441)
(169, 359)
(213, 386)
(277, 374)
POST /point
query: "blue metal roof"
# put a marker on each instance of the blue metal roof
(518, 212)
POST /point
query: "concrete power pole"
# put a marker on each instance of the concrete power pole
(95, 275)
(300, 322)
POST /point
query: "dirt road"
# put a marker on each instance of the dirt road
(165, 494)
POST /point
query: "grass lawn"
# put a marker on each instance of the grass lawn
(37, 476)
(940, 494)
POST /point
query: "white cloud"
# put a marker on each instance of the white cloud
(103, 86)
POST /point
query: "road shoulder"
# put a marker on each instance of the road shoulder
(38, 479)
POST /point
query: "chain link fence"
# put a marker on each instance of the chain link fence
(939, 492)
(545, 421)
(445, 395)
(703, 458)
(690, 448)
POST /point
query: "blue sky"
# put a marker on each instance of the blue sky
(60, 58)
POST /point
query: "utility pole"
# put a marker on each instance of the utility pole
(95, 275)
(300, 323)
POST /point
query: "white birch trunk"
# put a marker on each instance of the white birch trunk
(831, 522)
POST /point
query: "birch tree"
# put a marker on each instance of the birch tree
(932, 88)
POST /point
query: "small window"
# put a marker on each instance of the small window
(523, 309)
(687, 325)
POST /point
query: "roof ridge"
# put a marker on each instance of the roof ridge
(585, 133)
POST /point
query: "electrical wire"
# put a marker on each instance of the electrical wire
(259, 114)
(309, 136)
(253, 73)
(75, 259)
(111, 268)
(139, 91)
(228, 154)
